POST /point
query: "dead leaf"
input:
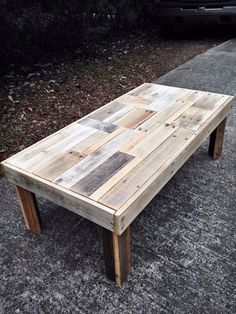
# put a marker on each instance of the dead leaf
(10, 98)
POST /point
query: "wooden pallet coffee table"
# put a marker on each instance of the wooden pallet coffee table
(108, 165)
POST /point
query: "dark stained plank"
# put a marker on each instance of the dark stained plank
(92, 181)
(106, 111)
(216, 140)
(117, 255)
(29, 209)
(99, 125)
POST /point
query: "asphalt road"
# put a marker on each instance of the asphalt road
(182, 243)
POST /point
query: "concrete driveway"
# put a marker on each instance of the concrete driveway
(182, 243)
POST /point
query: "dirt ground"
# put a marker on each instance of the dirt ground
(38, 100)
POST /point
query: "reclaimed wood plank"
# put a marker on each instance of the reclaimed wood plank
(90, 141)
(160, 91)
(200, 111)
(29, 209)
(106, 111)
(102, 141)
(163, 113)
(141, 89)
(216, 140)
(114, 179)
(57, 166)
(123, 190)
(152, 141)
(89, 163)
(135, 101)
(134, 118)
(44, 144)
(134, 141)
(117, 255)
(167, 98)
(118, 114)
(150, 124)
(99, 125)
(67, 143)
(91, 182)
(175, 109)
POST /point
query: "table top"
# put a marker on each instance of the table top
(111, 156)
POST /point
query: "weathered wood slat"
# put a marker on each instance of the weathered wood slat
(150, 124)
(172, 111)
(91, 182)
(115, 179)
(85, 166)
(118, 114)
(99, 125)
(135, 101)
(132, 143)
(160, 91)
(44, 144)
(91, 148)
(67, 143)
(152, 141)
(167, 98)
(132, 182)
(200, 111)
(106, 111)
(90, 141)
(54, 168)
(141, 89)
(164, 112)
(134, 118)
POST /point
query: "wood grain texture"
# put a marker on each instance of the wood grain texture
(134, 118)
(141, 89)
(133, 181)
(29, 209)
(135, 101)
(91, 182)
(152, 141)
(99, 125)
(45, 156)
(60, 164)
(216, 140)
(117, 255)
(106, 111)
(85, 166)
(200, 111)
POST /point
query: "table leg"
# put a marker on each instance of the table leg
(117, 255)
(216, 140)
(29, 208)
